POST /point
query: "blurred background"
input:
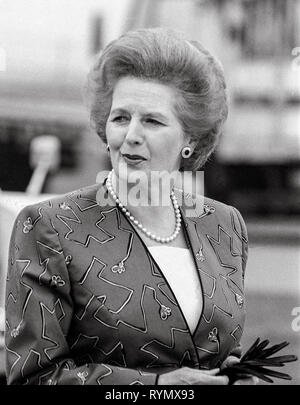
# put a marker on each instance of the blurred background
(46, 50)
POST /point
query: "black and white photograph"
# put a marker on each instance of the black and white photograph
(150, 194)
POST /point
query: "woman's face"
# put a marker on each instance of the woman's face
(142, 129)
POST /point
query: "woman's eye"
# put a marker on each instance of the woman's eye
(120, 119)
(152, 121)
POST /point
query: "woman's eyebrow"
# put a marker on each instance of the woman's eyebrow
(156, 114)
(119, 111)
(153, 114)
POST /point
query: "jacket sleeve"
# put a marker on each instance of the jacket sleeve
(243, 236)
(39, 310)
(244, 240)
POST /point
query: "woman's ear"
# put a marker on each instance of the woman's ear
(192, 144)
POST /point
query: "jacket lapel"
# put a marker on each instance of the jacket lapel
(140, 297)
(159, 314)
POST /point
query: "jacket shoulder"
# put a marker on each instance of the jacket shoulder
(228, 216)
(197, 205)
(211, 212)
(221, 207)
(79, 199)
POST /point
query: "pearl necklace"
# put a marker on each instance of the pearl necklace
(137, 223)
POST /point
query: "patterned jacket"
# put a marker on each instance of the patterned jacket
(86, 303)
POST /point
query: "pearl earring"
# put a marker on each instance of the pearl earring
(186, 152)
(107, 148)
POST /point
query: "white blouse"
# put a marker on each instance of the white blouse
(178, 266)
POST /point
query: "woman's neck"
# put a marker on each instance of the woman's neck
(152, 208)
(142, 200)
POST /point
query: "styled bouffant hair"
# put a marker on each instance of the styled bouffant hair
(165, 56)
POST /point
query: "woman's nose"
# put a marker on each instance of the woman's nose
(134, 133)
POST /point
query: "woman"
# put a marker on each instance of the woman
(101, 291)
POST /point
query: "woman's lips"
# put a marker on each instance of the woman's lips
(133, 159)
